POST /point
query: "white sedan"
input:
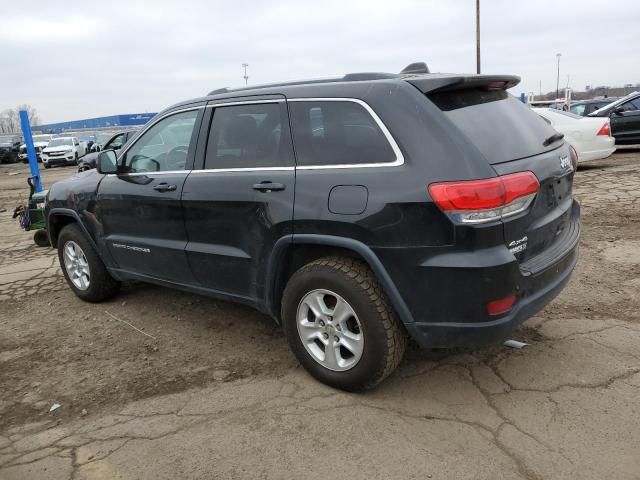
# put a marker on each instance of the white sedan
(590, 136)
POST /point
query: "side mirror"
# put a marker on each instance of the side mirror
(107, 162)
(619, 110)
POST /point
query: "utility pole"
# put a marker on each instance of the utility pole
(246, 77)
(558, 55)
(478, 36)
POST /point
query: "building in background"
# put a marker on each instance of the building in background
(124, 120)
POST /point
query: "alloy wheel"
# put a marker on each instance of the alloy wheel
(75, 262)
(330, 330)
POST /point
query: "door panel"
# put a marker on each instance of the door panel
(232, 220)
(144, 228)
(140, 208)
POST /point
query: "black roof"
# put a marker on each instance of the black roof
(417, 74)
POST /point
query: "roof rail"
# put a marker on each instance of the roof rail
(413, 69)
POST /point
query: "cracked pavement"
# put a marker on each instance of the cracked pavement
(219, 396)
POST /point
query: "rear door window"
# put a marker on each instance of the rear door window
(248, 136)
(498, 124)
(327, 132)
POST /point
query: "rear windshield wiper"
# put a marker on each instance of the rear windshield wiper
(552, 139)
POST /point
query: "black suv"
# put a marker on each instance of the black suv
(625, 119)
(116, 142)
(356, 212)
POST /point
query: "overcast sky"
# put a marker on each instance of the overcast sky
(74, 60)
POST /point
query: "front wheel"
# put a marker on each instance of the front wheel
(82, 267)
(340, 325)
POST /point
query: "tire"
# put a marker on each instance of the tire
(41, 238)
(46, 165)
(383, 337)
(76, 159)
(100, 285)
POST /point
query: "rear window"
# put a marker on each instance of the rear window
(499, 125)
(337, 133)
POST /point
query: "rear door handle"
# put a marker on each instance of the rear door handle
(165, 187)
(268, 187)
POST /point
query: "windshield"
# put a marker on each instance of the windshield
(41, 138)
(6, 139)
(578, 108)
(58, 142)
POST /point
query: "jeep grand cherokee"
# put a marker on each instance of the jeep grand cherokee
(357, 212)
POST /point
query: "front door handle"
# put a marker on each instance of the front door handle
(165, 187)
(268, 187)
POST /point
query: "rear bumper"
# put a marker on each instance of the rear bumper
(448, 294)
(448, 335)
(596, 154)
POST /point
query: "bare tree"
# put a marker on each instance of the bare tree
(10, 118)
(31, 112)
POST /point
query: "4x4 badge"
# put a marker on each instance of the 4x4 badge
(518, 246)
(565, 163)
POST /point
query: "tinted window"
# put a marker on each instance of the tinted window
(164, 146)
(116, 142)
(248, 136)
(500, 126)
(337, 133)
(629, 106)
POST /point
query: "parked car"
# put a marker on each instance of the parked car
(9, 146)
(101, 139)
(88, 139)
(433, 206)
(62, 150)
(590, 137)
(585, 107)
(625, 119)
(115, 142)
(40, 142)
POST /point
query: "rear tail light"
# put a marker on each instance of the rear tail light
(479, 201)
(498, 307)
(605, 129)
(574, 157)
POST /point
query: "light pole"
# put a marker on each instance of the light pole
(478, 36)
(246, 77)
(558, 55)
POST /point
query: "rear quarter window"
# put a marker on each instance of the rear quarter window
(498, 124)
(337, 133)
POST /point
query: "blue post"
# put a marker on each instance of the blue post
(31, 151)
(523, 98)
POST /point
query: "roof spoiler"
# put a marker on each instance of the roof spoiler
(443, 82)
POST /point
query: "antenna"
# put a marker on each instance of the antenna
(246, 77)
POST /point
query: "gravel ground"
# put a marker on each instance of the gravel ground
(216, 394)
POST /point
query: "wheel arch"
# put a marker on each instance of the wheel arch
(293, 251)
(58, 218)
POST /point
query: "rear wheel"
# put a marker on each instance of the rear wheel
(82, 267)
(340, 324)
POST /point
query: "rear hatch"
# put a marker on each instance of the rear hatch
(513, 139)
